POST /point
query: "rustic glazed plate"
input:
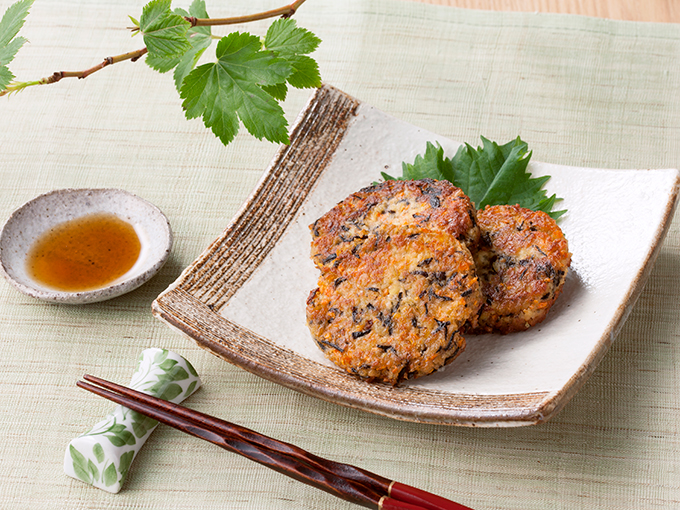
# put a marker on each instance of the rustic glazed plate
(244, 298)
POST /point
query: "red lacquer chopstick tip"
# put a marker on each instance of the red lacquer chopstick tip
(393, 504)
(421, 498)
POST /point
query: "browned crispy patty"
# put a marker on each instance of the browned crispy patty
(391, 309)
(427, 204)
(522, 261)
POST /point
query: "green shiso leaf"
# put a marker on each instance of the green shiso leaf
(491, 174)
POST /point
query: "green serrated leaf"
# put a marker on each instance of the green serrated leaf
(292, 43)
(6, 77)
(494, 174)
(231, 89)
(278, 91)
(476, 169)
(546, 205)
(162, 63)
(305, 73)
(110, 475)
(388, 177)
(10, 24)
(198, 10)
(154, 12)
(501, 183)
(8, 52)
(98, 452)
(490, 175)
(13, 20)
(264, 118)
(430, 165)
(195, 91)
(165, 34)
(287, 39)
(200, 39)
(242, 55)
(188, 62)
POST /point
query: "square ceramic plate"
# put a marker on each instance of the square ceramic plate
(244, 298)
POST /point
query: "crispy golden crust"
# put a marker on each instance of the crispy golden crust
(392, 308)
(522, 262)
(426, 204)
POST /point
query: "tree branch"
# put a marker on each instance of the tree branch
(285, 12)
(132, 56)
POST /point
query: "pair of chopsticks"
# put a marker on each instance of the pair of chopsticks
(342, 480)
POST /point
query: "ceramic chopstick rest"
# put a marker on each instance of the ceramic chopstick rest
(103, 455)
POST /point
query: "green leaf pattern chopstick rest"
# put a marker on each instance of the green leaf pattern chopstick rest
(103, 455)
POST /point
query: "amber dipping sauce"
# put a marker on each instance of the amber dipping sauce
(84, 254)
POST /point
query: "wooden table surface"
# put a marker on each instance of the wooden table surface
(631, 10)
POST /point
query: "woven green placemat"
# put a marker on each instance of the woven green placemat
(580, 91)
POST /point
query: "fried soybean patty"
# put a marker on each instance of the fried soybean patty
(427, 204)
(522, 262)
(391, 309)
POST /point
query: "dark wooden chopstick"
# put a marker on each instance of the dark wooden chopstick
(342, 480)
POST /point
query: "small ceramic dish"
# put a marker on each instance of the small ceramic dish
(43, 213)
